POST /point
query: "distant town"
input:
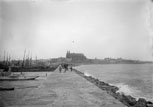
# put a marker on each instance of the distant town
(71, 58)
(81, 58)
(75, 58)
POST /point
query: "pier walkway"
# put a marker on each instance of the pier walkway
(65, 90)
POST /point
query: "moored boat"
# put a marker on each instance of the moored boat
(7, 88)
(20, 78)
(9, 76)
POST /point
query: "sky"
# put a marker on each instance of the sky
(97, 28)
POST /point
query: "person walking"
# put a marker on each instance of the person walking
(65, 66)
(71, 68)
(60, 68)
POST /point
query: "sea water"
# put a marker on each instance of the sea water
(23, 84)
(132, 79)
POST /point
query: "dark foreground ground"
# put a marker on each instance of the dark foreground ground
(60, 90)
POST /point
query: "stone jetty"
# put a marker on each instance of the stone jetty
(113, 91)
(60, 90)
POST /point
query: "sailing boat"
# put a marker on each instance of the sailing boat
(8, 76)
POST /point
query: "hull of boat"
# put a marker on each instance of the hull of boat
(6, 89)
(18, 79)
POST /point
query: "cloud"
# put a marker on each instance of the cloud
(99, 29)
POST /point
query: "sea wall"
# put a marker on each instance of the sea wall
(113, 91)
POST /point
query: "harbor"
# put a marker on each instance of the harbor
(59, 90)
(76, 53)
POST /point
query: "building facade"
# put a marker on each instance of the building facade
(76, 57)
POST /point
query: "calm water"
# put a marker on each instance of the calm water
(132, 79)
(22, 88)
(24, 84)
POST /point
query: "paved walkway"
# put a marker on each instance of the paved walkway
(66, 90)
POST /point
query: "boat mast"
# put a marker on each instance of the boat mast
(4, 56)
(23, 58)
(7, 58)
(31, 59)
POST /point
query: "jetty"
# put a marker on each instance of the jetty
(60, 90)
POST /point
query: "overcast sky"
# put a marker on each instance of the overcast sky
(97, 28)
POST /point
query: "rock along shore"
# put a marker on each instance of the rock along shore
(112, 90)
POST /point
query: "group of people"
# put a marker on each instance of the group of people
(64, 66)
